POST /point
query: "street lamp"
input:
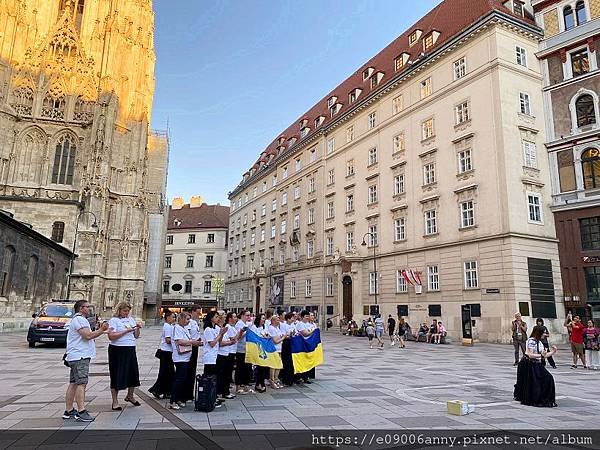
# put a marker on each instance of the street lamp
(95, 227)
(364, 244)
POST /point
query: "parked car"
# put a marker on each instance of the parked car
(51, 324)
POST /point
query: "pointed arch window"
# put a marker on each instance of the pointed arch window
(53, 106)
(8, 263)
(22, 101)
(84, 110)
(64, 160)
(585, 110)
(590, 164)
(31, 277)
(78, 7)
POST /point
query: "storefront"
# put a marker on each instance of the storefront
(178, 306)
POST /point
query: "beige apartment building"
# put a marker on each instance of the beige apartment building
(429, 155)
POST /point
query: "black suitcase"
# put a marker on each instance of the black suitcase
(205, 393)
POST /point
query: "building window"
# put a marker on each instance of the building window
(329, 287)
(471, 281)
(580, 13)
(166, 286)
(467, 214)
(399, 142)
(349, 241)
(311, 216)
(329, 246)
(350, 168)
(373, 285)
(64, 160)
(297, 222)
(168, 261)
(53, 106)
(426, 89)
(518, 8)
(372, 120)
(208, 285)
(296, 192)
(308, 288)
(263, 210)
(188, 286)
(283, 226)
(22, 101)
(330, 146)
(331, 177)
(373, 237)
(372, 156)
(534, 204)
(284, 175)
(521, 56)
(284, 199)
(311, 185)
(298, 165)
(350, 133)
(190, 262)
(191, 238)
(397, 104)
(460, 68)
(590, 165)
(433, 278)
(592, 279)
(428, 174)
(569, 17)
(350, 203)
(209, 260)
(295, 253)
(282, 256)
(310, 249)
(464, 161)
(254, 192)
(585, 110)
(461, 113)
(530, 154)
(580, 62)
(330, 210)
(292, 289)
(58, 231)
(210, 239)
(590, 233)
(427, 129)
(264, 186)
(524, 103)
(431, 222)
(372, 194)
(400, 229)
(399, 184)
(274, 205)
(273, 231)
(401, 284)
(30, 281)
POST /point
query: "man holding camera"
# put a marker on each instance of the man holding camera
(576, 331)
(81, 348)
(519, 336)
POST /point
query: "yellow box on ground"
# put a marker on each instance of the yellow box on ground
(458, 407)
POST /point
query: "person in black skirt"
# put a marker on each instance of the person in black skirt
(164, 382)
(123, 332)
(287, 373)
(545, 336)
(535, 385)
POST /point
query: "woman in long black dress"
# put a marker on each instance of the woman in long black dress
(287, 373)
(535, 385)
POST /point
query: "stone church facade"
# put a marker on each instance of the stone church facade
(76, 151)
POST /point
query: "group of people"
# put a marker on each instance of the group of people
(433, 333)
(223, 342)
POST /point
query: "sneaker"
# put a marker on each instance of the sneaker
(229, 396)
(83, 416)
(69, 414)
(392, 344)
(218, 404)
(181, 404)
(573, 366)
(173, 406)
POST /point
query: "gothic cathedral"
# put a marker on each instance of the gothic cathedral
(78, 161)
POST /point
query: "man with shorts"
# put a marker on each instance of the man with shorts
(577, 331)
(81, 348)
(391, 328)
(379, 326)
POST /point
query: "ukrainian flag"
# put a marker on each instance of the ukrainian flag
(261, 351)
(307, 352)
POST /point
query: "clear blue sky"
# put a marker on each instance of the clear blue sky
(231, 75)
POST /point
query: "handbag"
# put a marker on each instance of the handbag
(158, 353)
(181, 349)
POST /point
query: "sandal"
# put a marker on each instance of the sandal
(117, 408)
(132, 401)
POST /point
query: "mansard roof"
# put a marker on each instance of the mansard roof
(200, 217)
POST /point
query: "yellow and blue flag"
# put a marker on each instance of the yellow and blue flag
(307, 352)
(261, 351)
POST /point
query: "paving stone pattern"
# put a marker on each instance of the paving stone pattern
(356, 388)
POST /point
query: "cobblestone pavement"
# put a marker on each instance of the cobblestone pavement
(356, 388)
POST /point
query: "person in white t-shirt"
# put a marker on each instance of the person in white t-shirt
(260, 373)
(268, 317)
(243, 370)
(81, 348)
(164, 382)
(223, 355)
(287, 373)
(194, 330)
(181, 344)
(211, 338)
(123, 332)
(305, 328)
(277, 336)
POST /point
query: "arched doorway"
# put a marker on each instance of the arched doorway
(257, 301)
(347, 297)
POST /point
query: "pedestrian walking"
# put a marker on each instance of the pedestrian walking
(519, 336)
(592, 345)
(123, 332)
(164, 382)
(370, 333)
(391, 323)
(181, 345)
(243, 370)
(379, 326)
(194, 330)
(81, 348)
(403, 330)
(545, 336)
(576, 330)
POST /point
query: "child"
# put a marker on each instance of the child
(370, 333)
(441, 332)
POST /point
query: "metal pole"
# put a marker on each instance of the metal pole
(375, 270)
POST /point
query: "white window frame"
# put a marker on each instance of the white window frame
(467, 213)
(397, 104)
(536, 206)
(329, 246)
(330, 145)
(465, 160)
(330, 210)
(373, 284)
(462, 113)
(399, 229)
(429, 175)
(297, 222)
(263, 210)
(433, 278)
(460, 68)
(273, 231)
(308, 288)
(372, 198)
(349, 202)
(298, 165)
(349, 241)
(399, 142)
(310, 249)
(372, 120)
(372, 157)
(311, 216)
(529, 154)
(521, 56)
(311, 185)
(471, 275)
(284, 199)
(312, 155)
(295, 253)
(350, 133)
(525, 104)
(331, 177)
(399, 185)
(297, 192)
(283, 226)
(427, 129)
(293, 289)
(373, 236)
(274, 205)
(426, 88)
(350, 168)
(401, 284)
(329, 287)
(431, 227)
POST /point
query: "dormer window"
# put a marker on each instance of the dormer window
(430, 40)
(280, 149)
(376, 79)
(331, 101)
(335, 109)
(414, 37)
(319, 121)
(367, 73)
(291, 141)
(303, 123)
(518, 8)
(281, 140)
(353, 95)
(401, 61)
(304, 132)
